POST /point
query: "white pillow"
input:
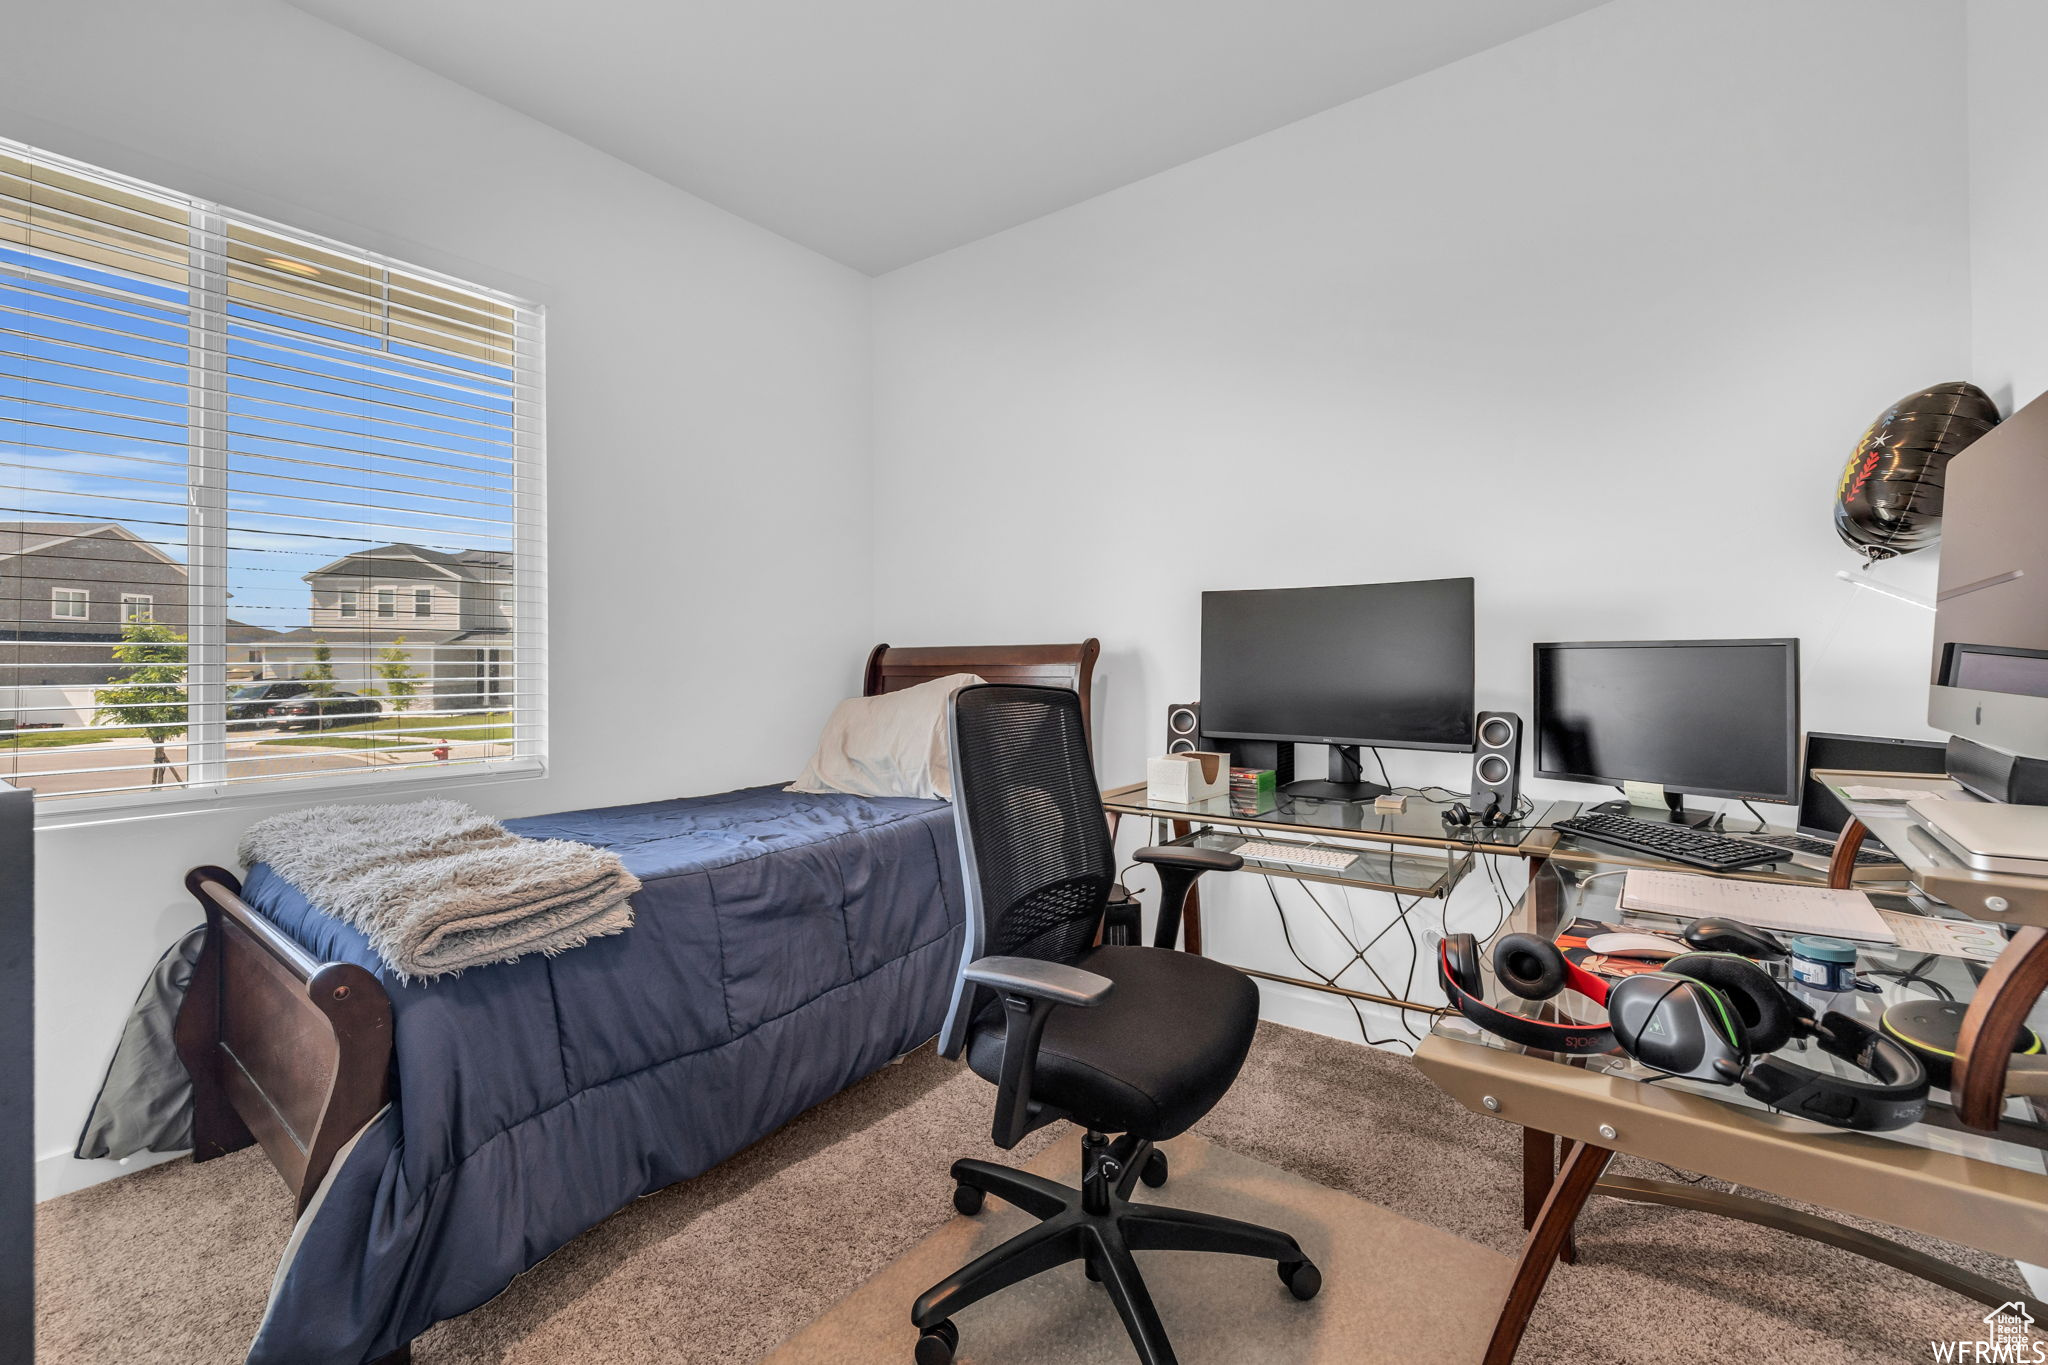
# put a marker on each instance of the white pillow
(891, 745)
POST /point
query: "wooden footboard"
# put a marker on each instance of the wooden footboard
(283, 1050)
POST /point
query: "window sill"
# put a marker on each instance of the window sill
(124, 807)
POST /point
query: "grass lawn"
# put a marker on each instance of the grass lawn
(57, 739)
(381, 732)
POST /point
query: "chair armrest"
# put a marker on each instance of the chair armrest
(1179, 866)
(1054, 982)
(1196, 860)
(1030, 990)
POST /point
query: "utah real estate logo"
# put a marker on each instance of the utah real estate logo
(2009, 1337)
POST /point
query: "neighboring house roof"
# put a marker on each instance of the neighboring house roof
(242, 633)
(467, 564)
(33, 537)
(347, 636)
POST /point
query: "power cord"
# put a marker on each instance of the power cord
(1287, 934)
(1915, 975)
(1358, 958)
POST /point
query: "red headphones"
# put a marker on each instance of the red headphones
(1534, 969)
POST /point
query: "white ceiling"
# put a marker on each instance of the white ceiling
(882, 131)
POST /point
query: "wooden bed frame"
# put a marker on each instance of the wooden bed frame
(295, 1054)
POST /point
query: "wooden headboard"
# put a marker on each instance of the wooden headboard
(892, 668)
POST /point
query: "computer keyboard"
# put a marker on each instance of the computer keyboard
(1678, 843)
(1303, 855)
(1872, 854)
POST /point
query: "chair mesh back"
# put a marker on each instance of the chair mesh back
(1024, 787)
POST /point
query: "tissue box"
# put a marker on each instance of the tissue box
(1184, 779)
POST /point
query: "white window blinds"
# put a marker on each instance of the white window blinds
(255, 431)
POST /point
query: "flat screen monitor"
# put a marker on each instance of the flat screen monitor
(1368, 664)
(1820, 814)
(1699, 717)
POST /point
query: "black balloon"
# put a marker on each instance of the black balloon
(1889, 501)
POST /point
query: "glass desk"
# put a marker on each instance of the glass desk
(1409, 853)
(1987, 1190)
(1421, 823)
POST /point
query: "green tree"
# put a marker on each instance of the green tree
(150, 696)
(401, 679)
(320, 673)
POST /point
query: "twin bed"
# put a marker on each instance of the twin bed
(441, 1138)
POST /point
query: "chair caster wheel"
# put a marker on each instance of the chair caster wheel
(1302, 1279)
(1155, 1169)
(938, 1343)
(967, 1199)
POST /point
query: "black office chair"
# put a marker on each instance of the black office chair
(1139, 1042)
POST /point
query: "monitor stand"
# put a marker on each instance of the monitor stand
(1674, 811)
(1347, 781)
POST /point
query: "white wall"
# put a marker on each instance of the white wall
(2008, 103)
(1595, 316)
(708, 423)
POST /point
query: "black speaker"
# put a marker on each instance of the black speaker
(1184, 734)
(1497, 761)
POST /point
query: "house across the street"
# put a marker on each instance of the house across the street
(67, 589)
(449, 613)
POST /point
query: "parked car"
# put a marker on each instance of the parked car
(253, 704)
(323, 713)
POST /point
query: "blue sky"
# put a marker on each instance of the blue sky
(93, 428)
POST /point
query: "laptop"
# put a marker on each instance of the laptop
(1821, 815)
(1988, 836)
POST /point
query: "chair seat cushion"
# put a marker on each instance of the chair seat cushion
(1152, 1058)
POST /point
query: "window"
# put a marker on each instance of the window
(422, 601)
(236, 410)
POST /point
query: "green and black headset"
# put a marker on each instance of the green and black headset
(1719, 1016)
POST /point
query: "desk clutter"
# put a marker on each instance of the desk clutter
(1705, 1015)
(1769, 984)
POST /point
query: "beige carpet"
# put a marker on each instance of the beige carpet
(1394, 1291)
(170, 1266)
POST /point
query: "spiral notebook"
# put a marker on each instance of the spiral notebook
(1768, 905)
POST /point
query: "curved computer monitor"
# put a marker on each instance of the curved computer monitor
(1697, 717)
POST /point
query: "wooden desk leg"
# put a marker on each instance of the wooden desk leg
(2004, 999)
(1569, 1253)
(1539, 1169)
(1583, 1164)
(1539, 1173)
(1545, 901)
(1191, 911)
(1842, 862)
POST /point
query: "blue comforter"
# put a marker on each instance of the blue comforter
(785, 946)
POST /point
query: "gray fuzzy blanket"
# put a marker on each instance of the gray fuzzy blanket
(437, 887)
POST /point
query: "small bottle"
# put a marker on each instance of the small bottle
(1823, 969)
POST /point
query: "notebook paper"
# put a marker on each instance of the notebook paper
(1767, 905)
